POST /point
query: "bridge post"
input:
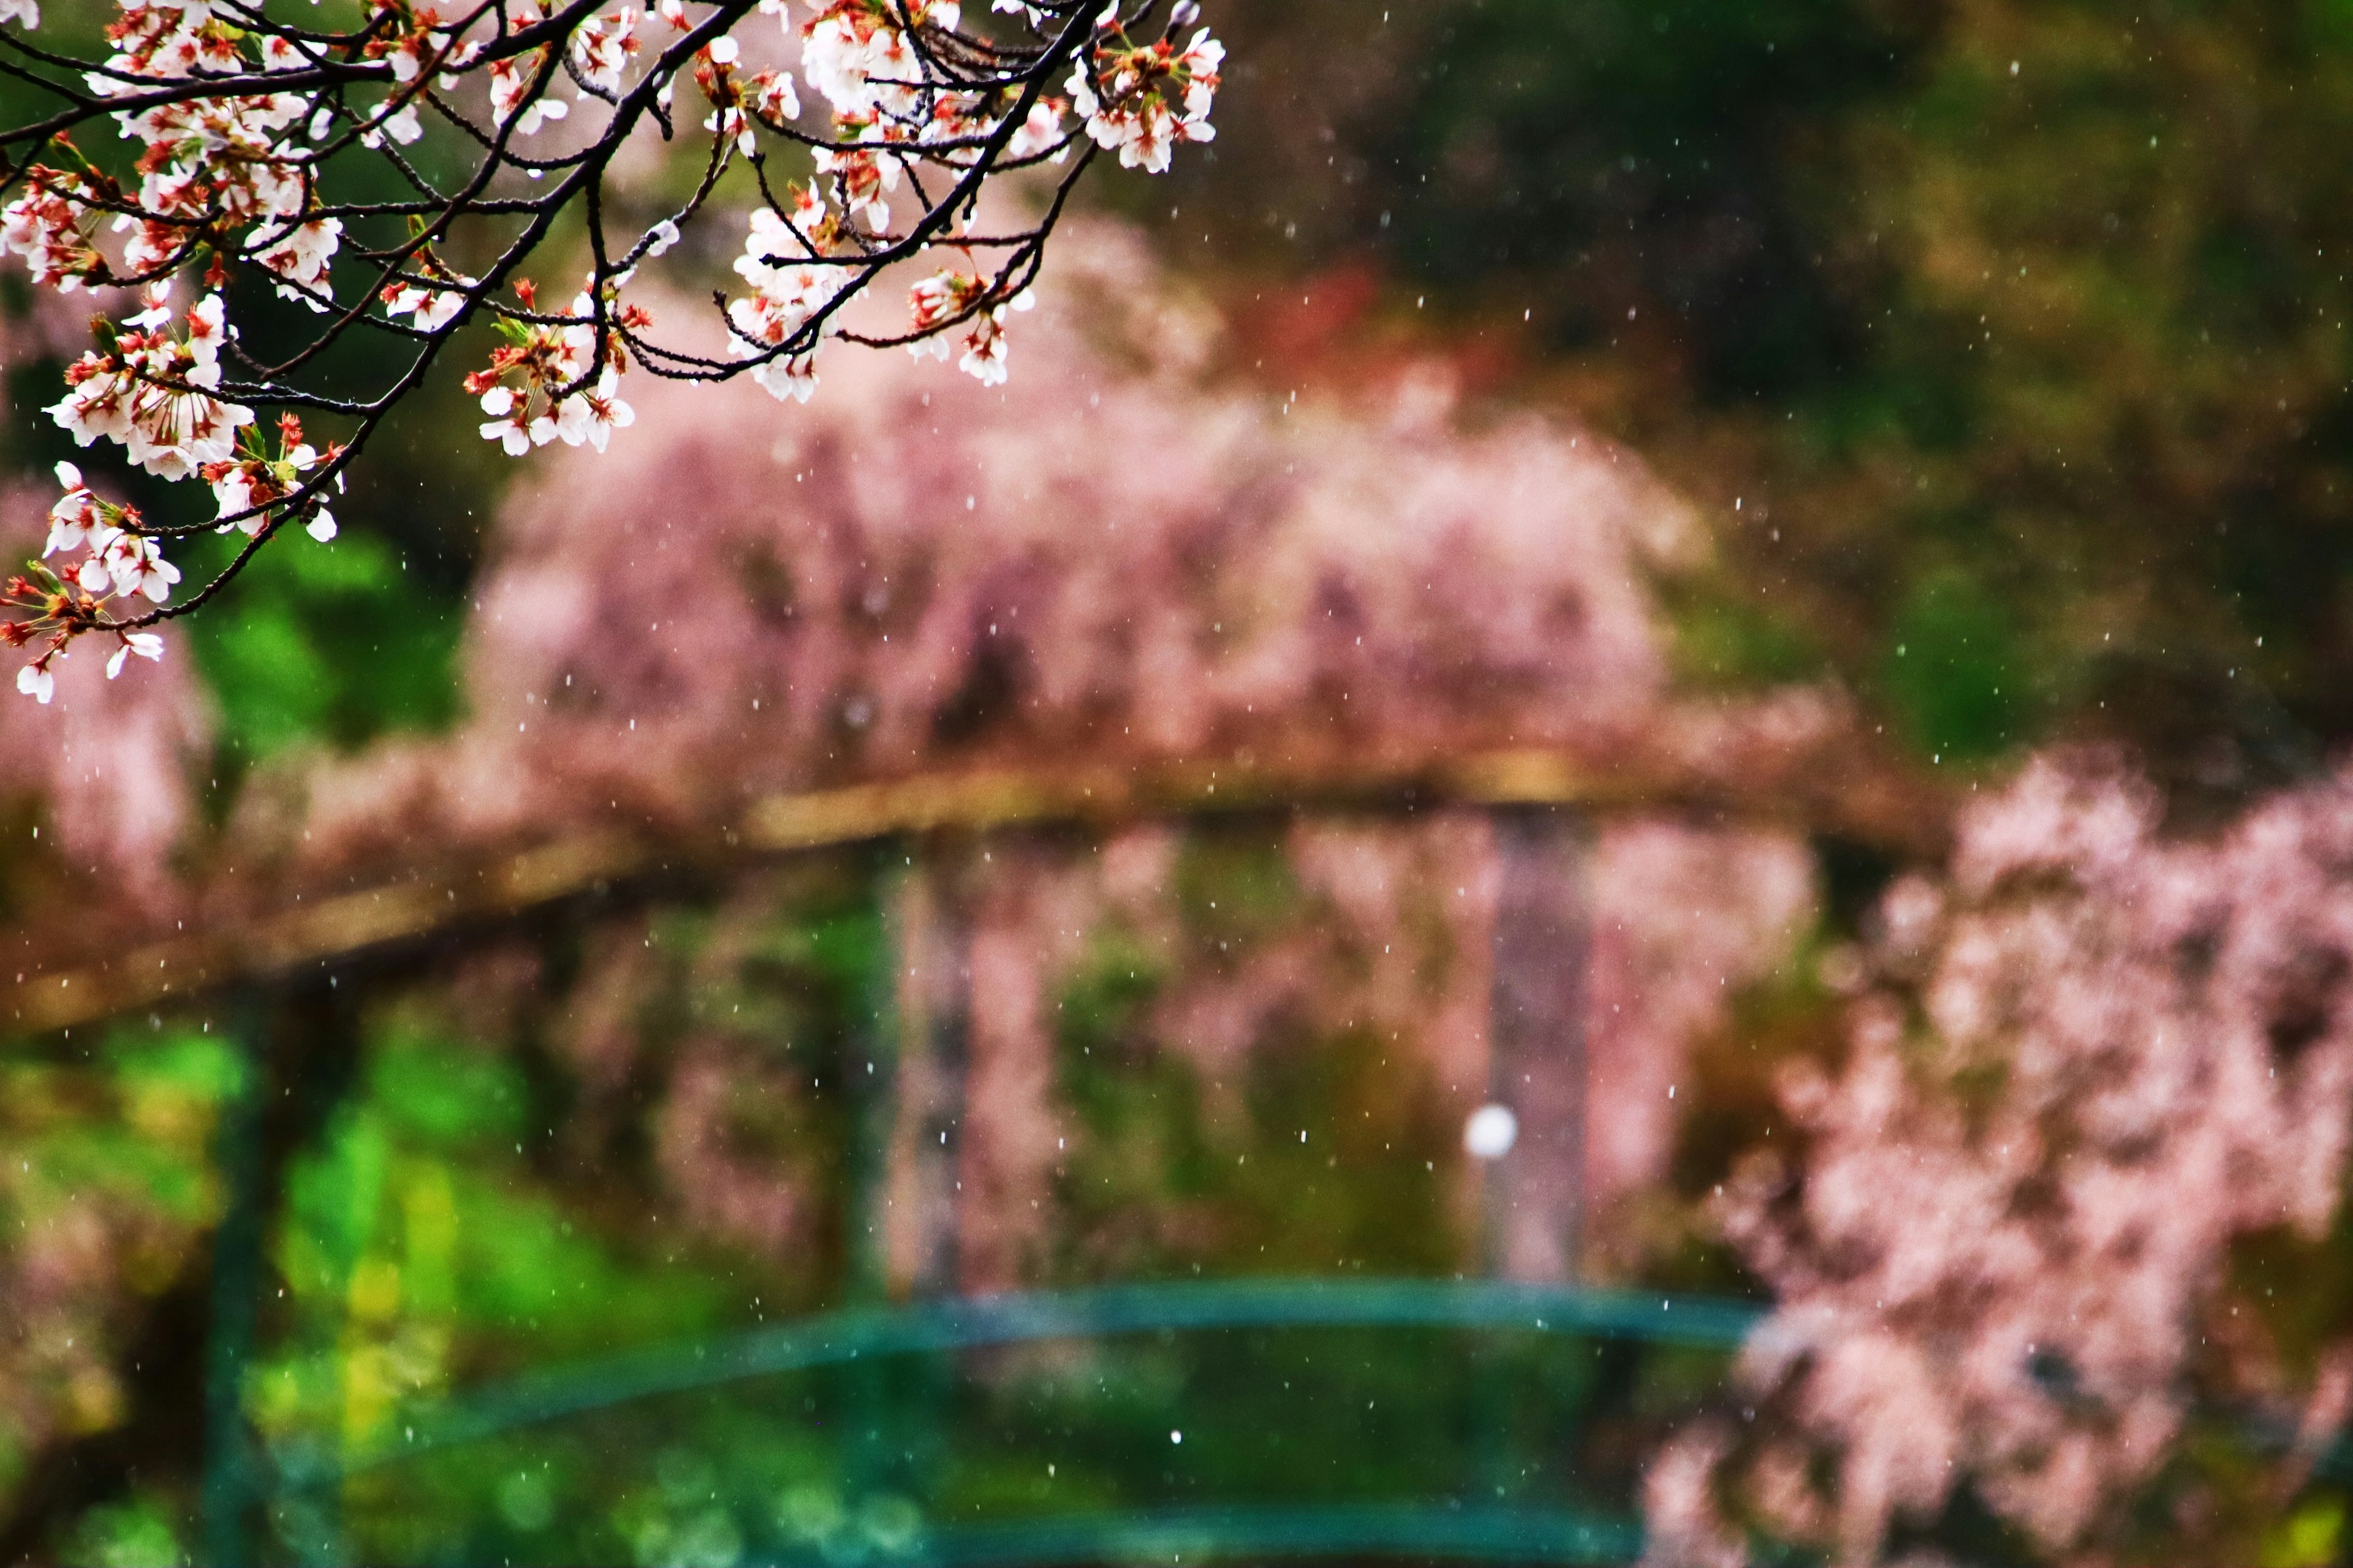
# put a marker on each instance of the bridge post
(299, 1050)
(916, 1195)
(1542, 949)
(872, 1079)
(232, 1480)
(934, 985)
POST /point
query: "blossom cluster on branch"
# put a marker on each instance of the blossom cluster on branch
(258, 148)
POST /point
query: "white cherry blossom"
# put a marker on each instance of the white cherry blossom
(1039, 129)
(146, 645)
(1136, 115)
(431, 307)
(302, 257)
(863, 177)
(984, 349)
(793, 378)
(857, 59)
(402, 125)
(602, 49)
(774, 97)
(136, 564)
(606, 412)
(511, 80)
(152, 396)
(733, 125)
(75, 521)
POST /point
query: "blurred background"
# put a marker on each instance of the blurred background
(1602, 823)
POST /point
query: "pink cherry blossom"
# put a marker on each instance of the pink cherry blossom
(2094, 1056)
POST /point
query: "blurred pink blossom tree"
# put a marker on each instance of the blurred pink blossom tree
(2090, 1057)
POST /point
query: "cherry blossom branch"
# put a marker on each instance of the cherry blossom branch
(243, 132)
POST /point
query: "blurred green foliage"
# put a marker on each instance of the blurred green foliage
(1955, 677)
(113, 1136)
(1584, 156)
(469, 1210)
(327, 644)
(420, 1248)
(2018, 330)
(140, 1533)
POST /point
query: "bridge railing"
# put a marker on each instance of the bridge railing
(510, 1426)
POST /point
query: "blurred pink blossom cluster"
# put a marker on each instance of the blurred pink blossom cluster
(1114, 559)
(2092, 1056)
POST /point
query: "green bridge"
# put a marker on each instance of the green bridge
(303, 1480)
